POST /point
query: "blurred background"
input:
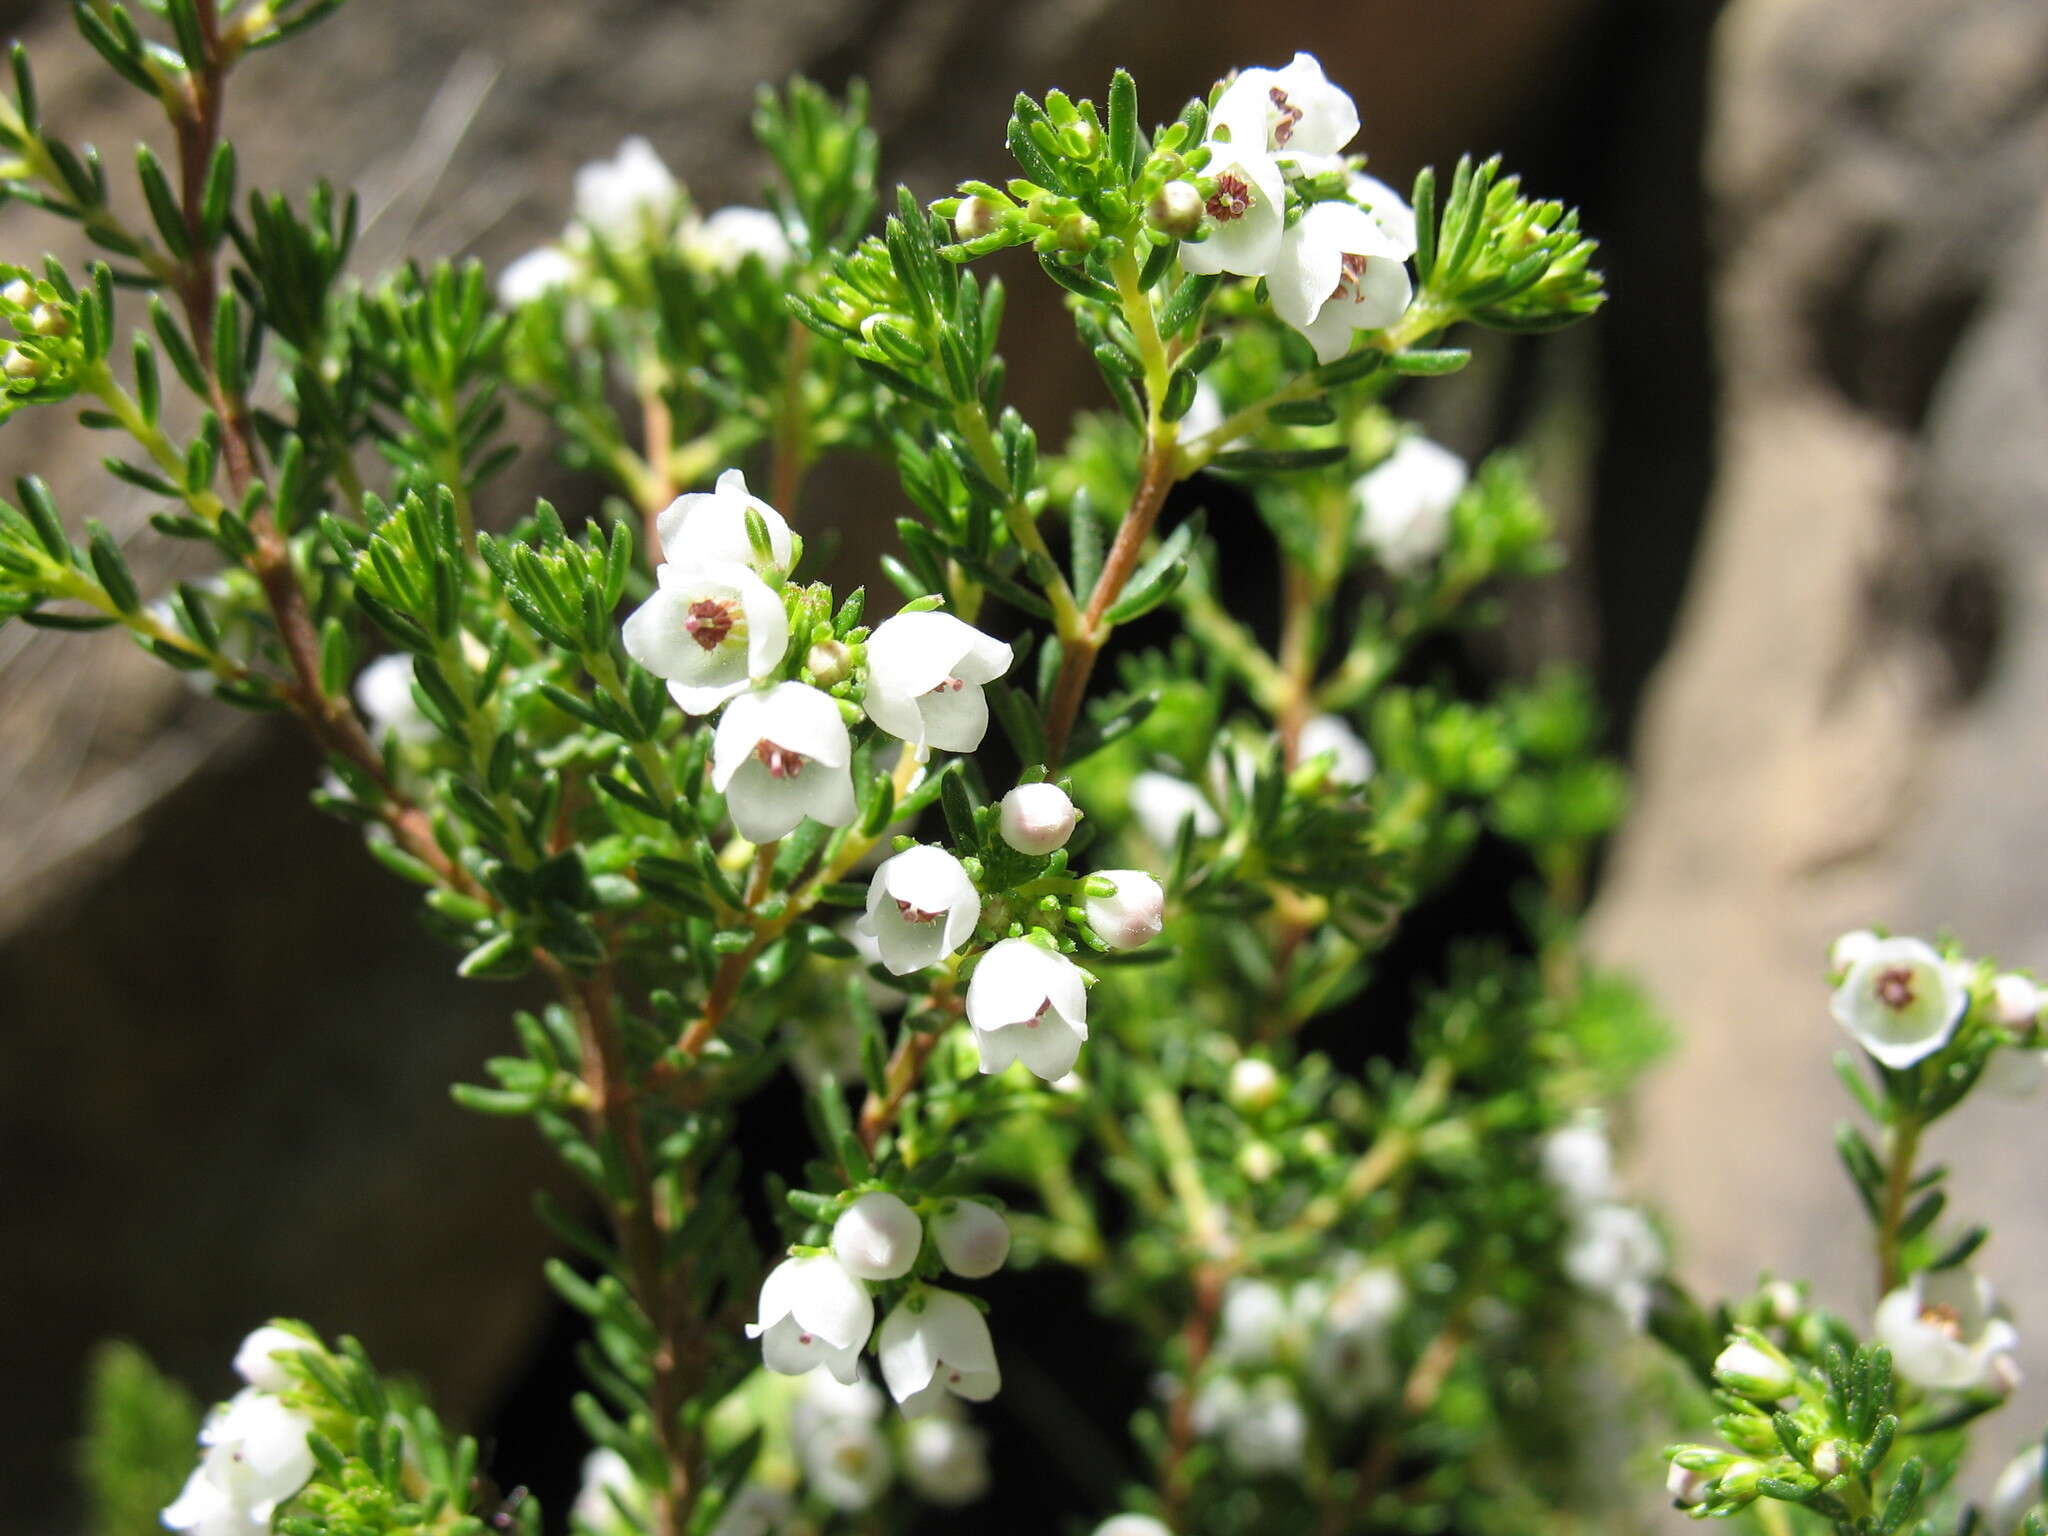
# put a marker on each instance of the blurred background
(1800, 460)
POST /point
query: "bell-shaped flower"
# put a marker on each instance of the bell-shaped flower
(1338, 272)
(536, 275)
(729, 236)
(936, 1343)
(972, 1238)
(1037, 819)
(781, 755)
(1405, 503)
(1351, 760)
(1900, 1001)
(710, 630)
(1255, 1324)
(2016, 1493)
(1387, 208)
(1244, 218)
(1132, 914)
(846, 1462)
(608, 1496)
(1613, 1251)
(1028, 1004)
(255, 1457)
(1941, 1332)
(1162, 804)
(629, 198)
(257, 1363)
(1349, 1360)
(945, 1459)
(877, 1237)
(1263, 1429)
(812, 1313)
(1291, 113)
(925, 677)
(922, 905)
(710, 528)
(1578, 1162)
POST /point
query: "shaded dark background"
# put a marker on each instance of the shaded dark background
(227, 1047)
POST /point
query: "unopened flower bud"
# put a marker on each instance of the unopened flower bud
(2015, 1001)
(1686, 1486)
(23, 365)
(256, 1361)
(828, 662)
(1257, 1161)
(1782, 1299)
(972, 1238)
(1254, 1085)
(1037, 818)
(877, 1237)
(1078, 232)
(1829, 1457)
(1133, 912)
(975, 217)
(1176, 209)
(1754, 1370)
(49, 320)
(19, 293)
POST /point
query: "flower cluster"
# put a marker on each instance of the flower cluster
(255, 1454)
(1610, 1248)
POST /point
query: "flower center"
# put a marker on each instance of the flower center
(803, 1338)
(946, 685)
(1232, 200)
(711, 621)
(1351, 277)
(1290, 115)
(780, 762)
(1944, 1320)
(915, 914)
(1895, 987)
(1043, 1009)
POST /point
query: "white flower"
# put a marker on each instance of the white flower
(1338, 272)
(922, 905)
(756, 1510)
(1613, 1252)
(1941, 1333)
(1388, 209)
(1037, 819)
(256, 1361)
(605, 1473)
(1351, 760)
(1263, 1430)
(1162, 803)
(877, 1237)
(255, 1458)
(535, 275)
(2016, 1001)
(1253, 1084)
(846, 1462)
(1132, 914)
(729, 236)
(925, 676)
(972, 1238)
(2015, 1072)
(812, 1312)
(1254, 1321)
(1291, 113)
(945, 1459)
(709, 630)
(1366, 1298)
(1745, 1366)
(710, 528)
(1405, 504)
(2017, 1491)
(1349, 1361)
(1132, 1525)
(934, 1343)
(782, 755)
(1244, 215)
(1578, 1162)
(1900, 1001)
(822, 1398)
(1028, 1004)
(629, 198)
(1850, 948)
(384, 695)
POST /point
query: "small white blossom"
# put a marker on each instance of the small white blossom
(1941, 1332)
(1132, 1525)
(1338, 272)
(1405, 504)
(1028, 1004)
(1351, 760)
(933, 1344)
(2016, 1000)
(782, 755)
(1254, 1322)
(254, 1458)
(1578, 1162)
(1850, 948)
(535, 275)
(710, 528)
(256, 1361)
(972, 1238)
(606, 1474)
(1745, 1366)
(1162, 804)
(1037, 819)
(2016, 1493)
(822, 1398)
(1613, 1252)
(1263, 1429)
(877, 1237)
(709, 630)
(925, 677)
(629, 198)
(729, 236)
(1291, 113)
(1900, 1001)
(812, 1313)
(1244, 216)
(922, 905)
(1253, 1085)
(1387, 208)
(846, 1462)
(1132, 914)
(945, 1459)
(1349, 1360)
(384, 695)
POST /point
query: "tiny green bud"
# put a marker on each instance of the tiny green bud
(1257, 1161)
(1083, 139)
(48, 320)
(829, 662)
(1078, 232)
(975, 217)
(1176, 209)
(1738, 1482)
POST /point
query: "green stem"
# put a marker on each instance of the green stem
(606, 671)
(1902, 1141)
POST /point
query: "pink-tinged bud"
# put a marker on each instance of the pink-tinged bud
(1037, 819)
(2015, 1001)
(975, 217)
(829, 662)
(1132, 914)
(1176, 209)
